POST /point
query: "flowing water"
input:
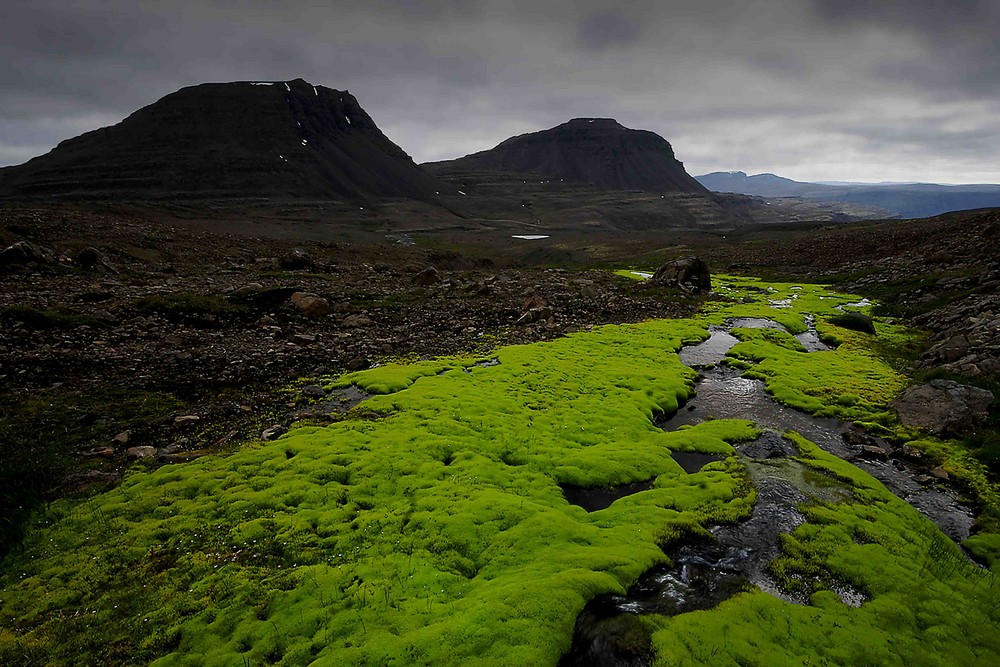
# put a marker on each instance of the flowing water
(609, 630)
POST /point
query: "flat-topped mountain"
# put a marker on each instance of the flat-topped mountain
(599, 151)
(243, 139)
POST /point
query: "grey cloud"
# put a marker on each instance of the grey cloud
(606, 29)
(769, 85)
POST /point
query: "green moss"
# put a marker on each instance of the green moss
(928, 605)
(438, 533)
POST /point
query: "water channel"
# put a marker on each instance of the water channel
(703, 574)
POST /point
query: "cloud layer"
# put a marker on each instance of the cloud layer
(820, 89)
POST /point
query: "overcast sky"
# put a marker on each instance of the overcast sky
(861, 90)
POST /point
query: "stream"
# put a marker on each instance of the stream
(609, 630)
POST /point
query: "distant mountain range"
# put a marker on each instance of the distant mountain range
(291, 140)
(907, 200)
(598, 151)
(244, 139)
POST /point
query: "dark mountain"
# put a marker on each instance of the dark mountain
(908, 200)
(263, 139)
(598, 151)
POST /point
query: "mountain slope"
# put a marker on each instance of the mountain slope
(909, 200)
(243, 139)
(598, 151)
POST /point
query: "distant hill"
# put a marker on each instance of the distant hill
(598, 151)
(908, 200)
(230, 140)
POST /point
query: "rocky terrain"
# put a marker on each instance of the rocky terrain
(127, 334)
(123, 337)
(940, 274)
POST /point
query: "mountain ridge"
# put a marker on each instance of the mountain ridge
(236, 139)
(599, 151)
(908, 200)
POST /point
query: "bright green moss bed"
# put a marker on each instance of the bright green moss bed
(438, 534)
(927, 604)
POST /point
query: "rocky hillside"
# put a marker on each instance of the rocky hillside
(226, 140)
(599, 151)
(940, 273)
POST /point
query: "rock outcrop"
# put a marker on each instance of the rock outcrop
(688, 273)
(943, 406)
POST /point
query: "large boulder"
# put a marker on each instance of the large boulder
(311, 305)
(854, 321)
(942, 406)
(688, 273)
(25, 252)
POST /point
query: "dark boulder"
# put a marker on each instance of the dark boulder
(93, 259)
(854, 322)
(943, 406)
(296, 260)
(24, 252)
(428, 276)
(688, 273)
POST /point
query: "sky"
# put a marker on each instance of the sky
(835, 90)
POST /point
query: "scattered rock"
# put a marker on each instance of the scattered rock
(940, 473)
(273, 432)
(100, 453)
(357, 364)
(24, 252)
(854, 322)
(311, 305)
(535, 302)
(122, 438)
(428, 276)
(296, 260)
(140, 452)
(541, 314)
(170, 449)
(354, 321)
(92, 258)
(943, 406)
(867, 445)
(313, 391)
(688, 273)
(303, 339)
(185, 420)
(875, 452)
